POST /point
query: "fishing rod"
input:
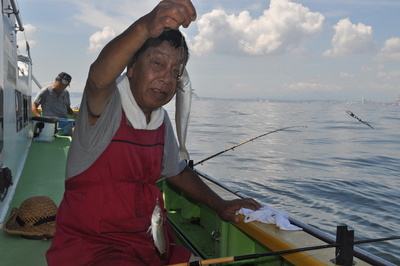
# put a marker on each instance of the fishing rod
(275, 253)
(237, 145)
(359, 119)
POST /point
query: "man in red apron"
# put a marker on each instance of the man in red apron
(123, 143)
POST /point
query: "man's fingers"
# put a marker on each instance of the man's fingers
(167, 15)
(249, 203)
(177, 13)
(189, 9)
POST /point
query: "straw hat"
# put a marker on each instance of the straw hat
(35, 219)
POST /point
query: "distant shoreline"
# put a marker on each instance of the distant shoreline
(77, 96)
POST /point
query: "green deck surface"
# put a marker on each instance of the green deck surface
(43, 175)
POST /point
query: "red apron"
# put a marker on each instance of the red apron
(106, 211)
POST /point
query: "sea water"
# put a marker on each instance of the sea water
(330, 170)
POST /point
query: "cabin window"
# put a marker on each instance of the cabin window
(22, 104)
(19, 109)
(27, 110)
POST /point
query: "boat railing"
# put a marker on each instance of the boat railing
(14, 10)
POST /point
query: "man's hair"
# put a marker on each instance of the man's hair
(173, 37)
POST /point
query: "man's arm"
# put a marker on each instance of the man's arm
(34, 108)
(189, 182)
(116, 55)
(70, 111)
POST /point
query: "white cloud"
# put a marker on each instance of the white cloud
(29, 34)
(312, 86)
(390, 50)
(279, 29)
(99, 39)
(372, 68)
(350, 39)
(117, 14)
(388, 75)
(346, 75)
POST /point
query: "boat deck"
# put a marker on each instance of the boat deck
(44, 160)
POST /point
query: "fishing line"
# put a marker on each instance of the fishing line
(182, 63)
(240, 144)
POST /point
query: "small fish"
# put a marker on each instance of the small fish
(183, 104)
(157, 229)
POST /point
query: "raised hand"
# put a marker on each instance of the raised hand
(168, 14)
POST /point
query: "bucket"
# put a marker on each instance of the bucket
(64, 126)
(43, 131)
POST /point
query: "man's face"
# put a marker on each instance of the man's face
(153, 77)
(59, 87)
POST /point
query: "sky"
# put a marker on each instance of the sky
(344, 50)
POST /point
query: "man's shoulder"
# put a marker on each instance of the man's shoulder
(45, 90)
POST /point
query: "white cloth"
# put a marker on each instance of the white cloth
(268, 215)
(133, 112)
